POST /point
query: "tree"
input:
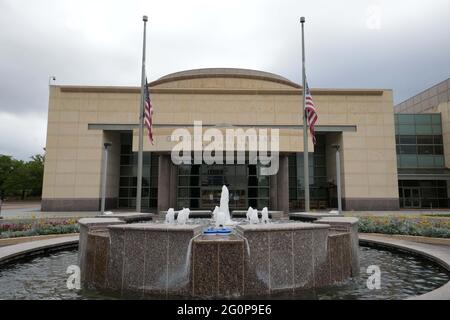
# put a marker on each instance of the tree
(21, 179)
(6, 167)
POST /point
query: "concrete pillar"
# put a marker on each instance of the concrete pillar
(173, 185)
(283, 185)
(164, 182)
(273, 193)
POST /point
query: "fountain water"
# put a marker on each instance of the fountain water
(265, 215)
(254, 217)
(225, 247)
(170, 216)
(183, 216)
(249, 213)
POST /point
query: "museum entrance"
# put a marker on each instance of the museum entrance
(200, 186)
(411, 198)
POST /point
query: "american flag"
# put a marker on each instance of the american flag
(148, 112)
(311, 114)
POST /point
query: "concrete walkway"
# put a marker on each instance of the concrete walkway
(27, 249)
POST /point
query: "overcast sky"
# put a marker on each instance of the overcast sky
(402, 45)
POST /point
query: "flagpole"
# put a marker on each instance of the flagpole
(141, 126)
(305, 124)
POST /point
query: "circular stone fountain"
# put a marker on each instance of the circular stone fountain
(179, 260)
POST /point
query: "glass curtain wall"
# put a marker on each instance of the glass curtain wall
(128, 176)
(200, 186)
(318, 188)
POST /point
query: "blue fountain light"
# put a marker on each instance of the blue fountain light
(217, 231)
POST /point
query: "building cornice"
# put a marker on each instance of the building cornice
(136, 90)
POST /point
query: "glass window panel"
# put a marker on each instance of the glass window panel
(194, 192)
(424, 139)
(252, 192)
(436, 119)
(408, 139)
(395, 118)
(253, 181)
(253, 203)
(263, 192)
(443, 203)
(145, 182)
(147, 158)
(123, 203)
(322, 171)
(406, 119)
(125, 182)
(292, 182)
(408, 161)
(195, 203)
(441, 183)
(183, 203)
(438, 150)
(437, 129)
(145, 193)
(426, 183)
(263, 203)
(406, 129)
(425, 149)
(252, 170)
(128, 171)
(123, 192)
(438, 161)
(184, 170)
(183, 181)
(194, 180)
(441, 193)
(183, 192)
(422, 118)
(397, 139)
(153, 193)
(424, 129)
(125, 160)
(319, 161)
(437, 139)
(408, 149)
(425, 161)
(263, 181)
(125, 149)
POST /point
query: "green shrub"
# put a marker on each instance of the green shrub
(39, 227)
(414, 226)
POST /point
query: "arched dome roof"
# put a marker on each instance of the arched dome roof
(224, 73)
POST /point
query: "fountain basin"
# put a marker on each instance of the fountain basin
(149, 259)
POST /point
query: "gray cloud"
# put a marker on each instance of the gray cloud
(99, 43)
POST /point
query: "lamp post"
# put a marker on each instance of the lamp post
(105, 165)
(338, 177)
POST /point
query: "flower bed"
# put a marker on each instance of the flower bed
(38, 227)
(413, 226)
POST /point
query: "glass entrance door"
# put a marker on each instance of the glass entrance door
(411, 198)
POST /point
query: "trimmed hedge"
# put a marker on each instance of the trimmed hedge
(412, 226)
(38, 227)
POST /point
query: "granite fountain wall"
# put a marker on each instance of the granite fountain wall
(148, 259)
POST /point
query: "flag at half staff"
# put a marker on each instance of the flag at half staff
(148, 112)
(311, 114)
